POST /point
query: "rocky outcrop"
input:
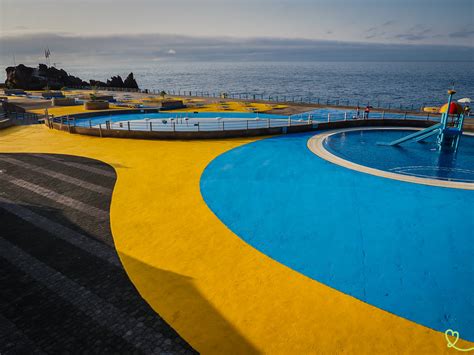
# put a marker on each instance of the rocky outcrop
(97, 83)
(21, 77)
(115, 82)
(130, 82)
(27, 78)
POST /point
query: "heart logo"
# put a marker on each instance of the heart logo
(453, 334)
(449, 334)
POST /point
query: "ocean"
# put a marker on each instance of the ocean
(378, 83)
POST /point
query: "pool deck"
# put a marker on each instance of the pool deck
(220, 294)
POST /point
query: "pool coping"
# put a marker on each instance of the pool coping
(316, 145)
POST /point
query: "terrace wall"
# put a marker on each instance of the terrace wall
(69, 126)
(5, 123)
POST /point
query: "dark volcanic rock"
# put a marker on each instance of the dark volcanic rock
(115, 82)
(97, 83)
(130, 82)
(27, 78)
(23, 77)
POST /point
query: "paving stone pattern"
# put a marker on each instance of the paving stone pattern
(62, 286)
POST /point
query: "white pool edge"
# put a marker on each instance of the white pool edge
(316, 145)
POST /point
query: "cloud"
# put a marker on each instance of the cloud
(151, 47)
(416, 33)
(377, 31)
(375, 35)
(388, 23)
(410, 36)
(462, 34)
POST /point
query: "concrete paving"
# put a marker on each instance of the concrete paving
(64, 289)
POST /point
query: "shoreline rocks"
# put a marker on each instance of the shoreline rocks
(28, 78)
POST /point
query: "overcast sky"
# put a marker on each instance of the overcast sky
(64, 25)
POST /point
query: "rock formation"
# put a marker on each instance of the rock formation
(27, 78)
(97, 83)
(130, 82)
(23, 77)
(115, 82)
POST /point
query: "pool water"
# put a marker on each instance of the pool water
(415, 159)
(168, 115)
(320, 115)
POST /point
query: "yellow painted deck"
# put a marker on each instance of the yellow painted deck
(195, 105)
(219, 293)
(73, 110)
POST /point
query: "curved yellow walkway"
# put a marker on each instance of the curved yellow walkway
(220, 294)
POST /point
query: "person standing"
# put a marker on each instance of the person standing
(366, 112)
(357, 116)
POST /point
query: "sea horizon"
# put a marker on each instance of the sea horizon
(390, 83)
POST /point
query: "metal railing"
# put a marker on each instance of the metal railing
(278, 98)
(353, 115)
(176, 125)
(22, 118)
(187, 124)
(300, 99)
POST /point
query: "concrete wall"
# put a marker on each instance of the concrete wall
(165, 135)
(5, 123)
(172, 105)
(96, 105)
(63, 101)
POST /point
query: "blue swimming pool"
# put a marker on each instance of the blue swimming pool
(320, 115)
(167, 115)
(416, 159)
(402, 247)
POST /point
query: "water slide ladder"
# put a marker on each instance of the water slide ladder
(445, 133)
